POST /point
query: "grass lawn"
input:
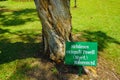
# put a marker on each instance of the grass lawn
(99, 20)
(20, 32)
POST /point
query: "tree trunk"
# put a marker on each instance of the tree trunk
(75, 3)
(56, 26)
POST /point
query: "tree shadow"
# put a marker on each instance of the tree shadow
(19, 50)
(17, 17)
(98, 36)
(10, 51)
(3, 31)
(1, 7)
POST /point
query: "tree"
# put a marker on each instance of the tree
(56, 26)
(75, 3)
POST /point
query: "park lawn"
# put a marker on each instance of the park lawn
(20, 32)
(99, 20)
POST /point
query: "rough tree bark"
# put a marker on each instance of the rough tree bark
(56, 26)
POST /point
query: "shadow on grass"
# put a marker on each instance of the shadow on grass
(19, 50)
(3, 31)
(17, 17)
(1, 7)
(10, 51)
(98, 36)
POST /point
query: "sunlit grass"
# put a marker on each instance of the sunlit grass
(101, 19)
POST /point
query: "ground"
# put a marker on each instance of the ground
(21, 56)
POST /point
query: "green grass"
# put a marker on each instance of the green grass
(98, 20)
(20, 29)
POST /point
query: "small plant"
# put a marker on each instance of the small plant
(54, 70)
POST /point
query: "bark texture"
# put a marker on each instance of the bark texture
(56, 26)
